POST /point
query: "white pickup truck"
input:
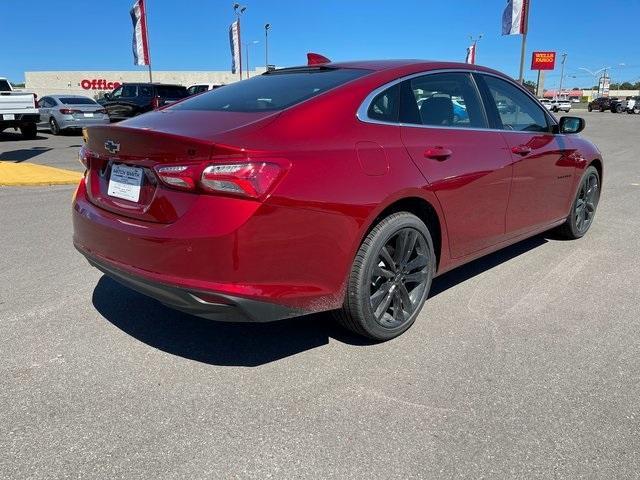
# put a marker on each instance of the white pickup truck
(18, 110)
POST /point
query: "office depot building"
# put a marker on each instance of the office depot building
(94, 84)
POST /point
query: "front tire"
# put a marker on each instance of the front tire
(584, 206)
(390, 278)
(589, 108)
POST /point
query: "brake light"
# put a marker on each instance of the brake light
(252, 180)
(101, 110)
(182, 177)
(68, 111)
(155, 103)
(249, 179)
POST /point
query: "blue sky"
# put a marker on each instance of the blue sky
(193, 35)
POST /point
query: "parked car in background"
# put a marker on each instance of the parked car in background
(546, 102)
(202, 87)
(633, 105)
(131, 99)
(617, 105)
(251, 203)
(558, 105)
(70, 112)
(18, 110)
(601, 104)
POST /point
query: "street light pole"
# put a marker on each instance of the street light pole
(266, 46)
(239, 10)
(564, 58)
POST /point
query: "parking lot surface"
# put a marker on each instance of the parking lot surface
(523, 364)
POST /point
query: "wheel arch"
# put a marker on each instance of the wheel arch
(597, 163)
(425, 211)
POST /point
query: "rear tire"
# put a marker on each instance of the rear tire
(618, 108)
(30, 131)
(589, 108)
(390, 278)
(584, 206)
(54, 127)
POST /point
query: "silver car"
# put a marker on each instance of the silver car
(62, 112)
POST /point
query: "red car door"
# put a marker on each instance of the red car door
(543, 165)
(468, 166)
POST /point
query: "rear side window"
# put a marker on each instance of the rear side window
(442, 99)
(384, 107)
(171, 92)
(145, 90)
(76, 100)
(276, 90)
(129, 90)
(4, 86)
(515, 109)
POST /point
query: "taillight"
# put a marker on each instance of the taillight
(155, 103)
(183, 177)
(83, 157)
(249, 179)
(68, 111)
(246, 179)
(101, 110)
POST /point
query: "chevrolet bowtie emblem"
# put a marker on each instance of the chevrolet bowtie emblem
(111, 146)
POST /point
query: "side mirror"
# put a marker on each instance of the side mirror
(570, 125)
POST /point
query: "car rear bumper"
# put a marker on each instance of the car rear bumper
(221, 307)
(294, 260)
(83, 122)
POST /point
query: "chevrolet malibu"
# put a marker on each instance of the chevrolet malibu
(331, 186)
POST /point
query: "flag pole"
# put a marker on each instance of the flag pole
(146, 24)
(525, 28)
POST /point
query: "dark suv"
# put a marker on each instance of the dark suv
(131, 99)
(602, 104)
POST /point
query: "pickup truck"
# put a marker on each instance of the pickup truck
(18, 110)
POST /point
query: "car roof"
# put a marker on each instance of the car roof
(67, 95)
(157, 84)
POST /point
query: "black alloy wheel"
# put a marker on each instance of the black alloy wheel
(584, 205)
(390, 278)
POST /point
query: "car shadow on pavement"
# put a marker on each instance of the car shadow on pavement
(208, 341)
(17, 136)
(18, 156)
(250, 344)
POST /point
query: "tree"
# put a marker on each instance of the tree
(626, 86)
(531, 86)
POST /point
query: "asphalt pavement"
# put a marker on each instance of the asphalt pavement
(523, 364)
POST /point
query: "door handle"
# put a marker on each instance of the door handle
(521, 150)
(438, 153)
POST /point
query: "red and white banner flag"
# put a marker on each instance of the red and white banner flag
(234, 42)
(514, 17)
(140, 38)
(471, 54)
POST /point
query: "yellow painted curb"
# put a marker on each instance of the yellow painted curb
(30, 174)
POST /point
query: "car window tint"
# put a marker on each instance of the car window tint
(117, 92)
(145, 91)
(129, 90)
(171, 92)
(76, 101)
(516, 110)
(442, 99)
(272, 91)
(384, 106)
(4, 86)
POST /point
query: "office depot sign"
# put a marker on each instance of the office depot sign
(543, 60)
(98, 84)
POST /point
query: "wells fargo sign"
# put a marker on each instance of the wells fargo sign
(543, 60)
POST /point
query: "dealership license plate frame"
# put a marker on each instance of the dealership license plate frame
(125, 182)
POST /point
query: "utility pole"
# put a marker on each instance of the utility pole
(564, 58)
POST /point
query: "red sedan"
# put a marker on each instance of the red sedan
(332, 186)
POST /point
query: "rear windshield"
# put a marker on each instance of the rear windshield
(76, 101)
(4, 86)
(272, 91)
(171, 92)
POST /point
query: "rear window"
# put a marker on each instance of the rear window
(276, 90)
(171, 92)
(4, 86)
(76, 101)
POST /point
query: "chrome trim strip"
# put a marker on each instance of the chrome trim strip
(361, 113)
